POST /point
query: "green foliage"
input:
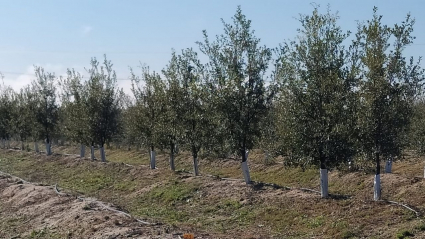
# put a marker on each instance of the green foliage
(317, 75)
(6, 111)
(46, 109)
(102, 102)
(149, 92)
(404, 234)
(237, 64)
(188, 106)
(389, 86)
(74, 114)
(417, 128)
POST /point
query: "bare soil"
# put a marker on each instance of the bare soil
(32, 211)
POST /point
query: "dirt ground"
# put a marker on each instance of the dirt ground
(32, 211)
(286, 205)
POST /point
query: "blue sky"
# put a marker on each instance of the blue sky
(59, 34)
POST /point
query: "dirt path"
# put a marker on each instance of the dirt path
(31, 211)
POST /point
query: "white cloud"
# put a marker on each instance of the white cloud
(86, 30)
(19, 80)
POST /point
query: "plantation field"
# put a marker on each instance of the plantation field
(283, 202)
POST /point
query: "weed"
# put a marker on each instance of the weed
(404, 234)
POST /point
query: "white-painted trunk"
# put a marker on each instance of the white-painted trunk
(388, 166)
(152, 159)
(377, 187)
(195, 166)
(37, 150)
(82, 151)
(102, 154)
(172, 165)
(48, 149)
(266, 157)
(245, 171)
(92, 153)
(324, 191)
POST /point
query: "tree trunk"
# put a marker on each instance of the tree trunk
(37, 150)
(389, 165)
(324, 182)
(377, 181)
(152, 158)
(22, 145)
(92, 151)
(82, 150)
(266, 157)
(48, 147)
(3, 143)
(424, 171)
(245, 167)
(324, 192)
(8, 143)
(102, 153)
(172, 166)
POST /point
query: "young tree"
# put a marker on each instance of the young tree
(174, 106)
(319, 86)
(193, 115)
(6, 113)
(417, 129)
(47, 108)
(102, 104)
(129, 135)
(149, 91)
(388, 89)
(75, 115)
(238, 64)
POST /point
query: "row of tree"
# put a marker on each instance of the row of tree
(323, 99)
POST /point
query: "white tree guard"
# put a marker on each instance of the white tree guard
(82, 151)
(266, 156)
(324, 189)
(245, 171)
(377, 187)
(172, 165)
(195, 166)
(424, 171)
(92, 153)
(388, 166)
(37, 150)
(152, 159)
(48, 149)
(102, 154)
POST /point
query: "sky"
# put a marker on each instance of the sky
(61, 34)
